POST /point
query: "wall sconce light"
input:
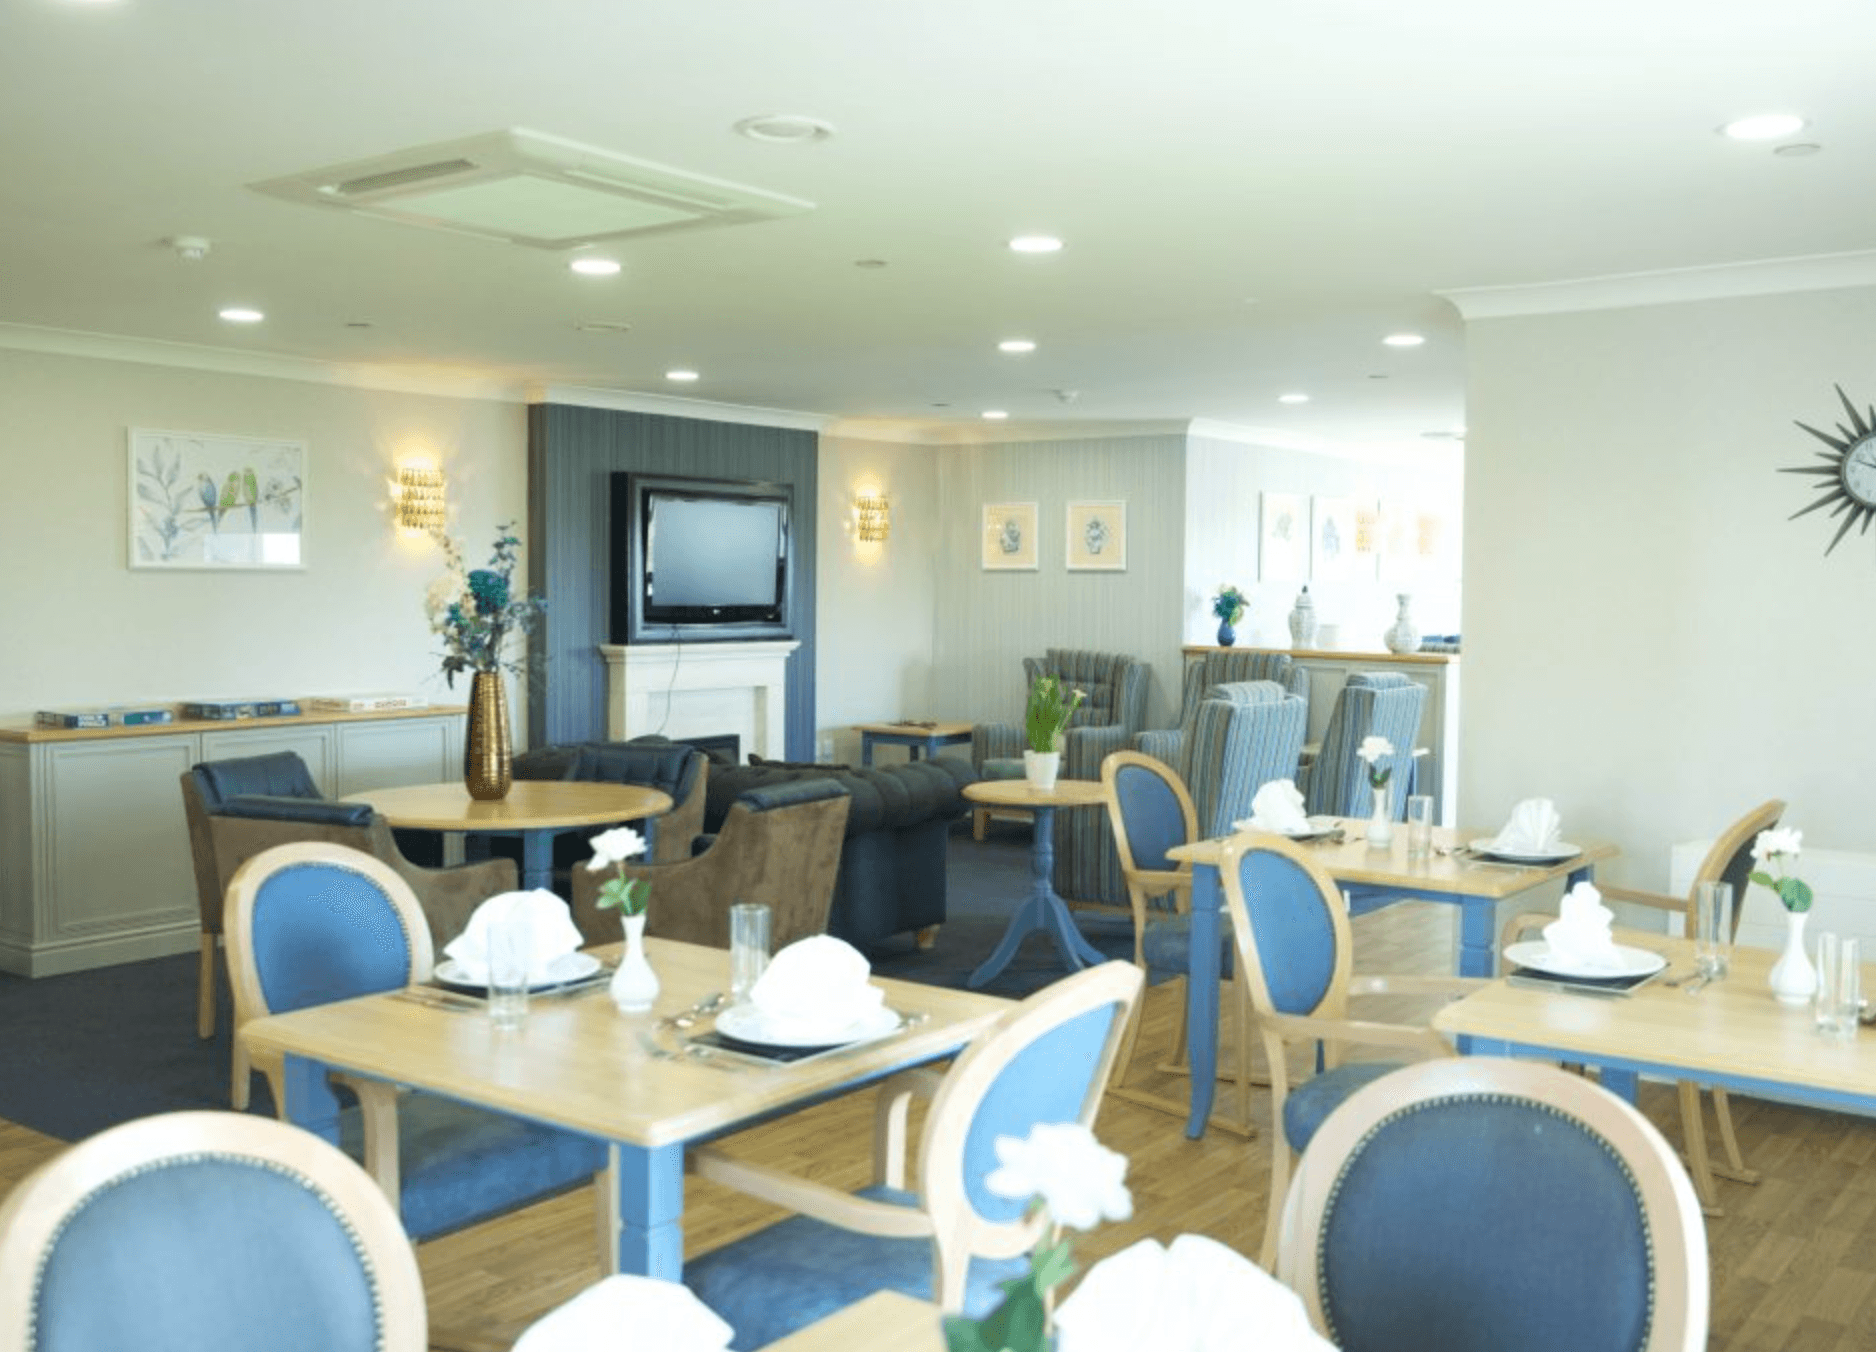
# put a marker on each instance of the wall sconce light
(872, 517)
(419, 498)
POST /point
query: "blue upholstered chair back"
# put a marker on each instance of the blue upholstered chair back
(324, 932)
(1295, 929)
(1244, 735)
(1372, 704)
(1234, 665)
(1150, 808)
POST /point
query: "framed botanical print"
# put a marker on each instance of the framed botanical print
(1283, 538)
(1097, 537)
(1009, 542)
(199, 500)
(1345, 540)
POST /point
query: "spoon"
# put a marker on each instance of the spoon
(705, 1007)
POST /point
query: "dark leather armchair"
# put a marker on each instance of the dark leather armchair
(650, 762)
(238, 807)
(779, 845)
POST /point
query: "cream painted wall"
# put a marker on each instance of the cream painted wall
(1225, 481)
(987, 622)
(874, 607)
(83, 628)
(1649, 641)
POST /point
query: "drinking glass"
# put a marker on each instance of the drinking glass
(510, 953)
(1419, 825)
(1839, 985)
(749, 947)
(1713, 929)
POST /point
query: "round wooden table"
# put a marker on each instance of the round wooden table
(1042, 909)
(535, 809)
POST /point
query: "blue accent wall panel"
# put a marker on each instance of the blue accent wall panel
(573, 452)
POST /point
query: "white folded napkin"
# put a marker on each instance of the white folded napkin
(816, 985)
(545, 914)
(1580, 933)
(1532, 828)
(624, 1312)
(1277, 807)
(1198, 1296)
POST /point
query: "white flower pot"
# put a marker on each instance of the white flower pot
(1041, 767)
(634, 987)
(1793, 979)
(1381, 823)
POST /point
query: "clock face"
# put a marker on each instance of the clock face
(1847, 476)
(1859, 471)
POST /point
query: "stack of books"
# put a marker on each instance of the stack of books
(358, 704)
(105, 716)
(222, 710)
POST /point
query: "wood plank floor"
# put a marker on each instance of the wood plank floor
(1794, 1258)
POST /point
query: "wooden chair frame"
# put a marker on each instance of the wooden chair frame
(1677, 1233)
(39, 1207)
(958, 1233)
(1328, 1023)
(1731, 841)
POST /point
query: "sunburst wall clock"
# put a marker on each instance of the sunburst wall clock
(1849, 471)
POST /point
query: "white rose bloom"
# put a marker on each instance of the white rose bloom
(615, 847)
(1373, 748)
(1080, 1180)
(1787, 841)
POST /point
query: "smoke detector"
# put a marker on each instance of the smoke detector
(525, 187)
(189, 248)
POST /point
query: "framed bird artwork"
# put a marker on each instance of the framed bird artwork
(201, 500)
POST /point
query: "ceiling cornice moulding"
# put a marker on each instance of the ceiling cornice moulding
(920, 433)
(1767, 277)
(228, 361)
(670, 406)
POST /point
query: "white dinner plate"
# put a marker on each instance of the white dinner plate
(1536, 955)
(567, 967)
(1318, 828)
(747, 1023)
(1563, 850)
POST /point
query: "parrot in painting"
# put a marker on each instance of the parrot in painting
(231, 491)
(211, 500)
(251, 487)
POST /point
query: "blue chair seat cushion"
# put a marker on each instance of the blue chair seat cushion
(799, 1270)
(1311, 1102)
(1167, 947)
(459, 1165)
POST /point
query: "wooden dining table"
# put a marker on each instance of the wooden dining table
(536, 810)
(1373, 877)
(1730, 1033)
(578, 1064)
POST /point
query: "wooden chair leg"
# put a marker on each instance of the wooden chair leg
(926, 938)
(205, 989)
(1279, 1189)
(1694, 1136)
(241, 1080)
(980, 819)
(1735, 1167)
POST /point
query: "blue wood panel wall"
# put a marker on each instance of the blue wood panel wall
(572, 453)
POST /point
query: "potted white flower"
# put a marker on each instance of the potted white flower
(1793, 979)
(1051, 707)
(1372, 752)
(634, 987)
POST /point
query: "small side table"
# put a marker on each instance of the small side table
(1042, 909)
(929, 737)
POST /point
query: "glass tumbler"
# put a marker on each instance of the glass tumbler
(510, 954)
(1839, 985)
(1419, 825)
(749, 947)
(1713, 929)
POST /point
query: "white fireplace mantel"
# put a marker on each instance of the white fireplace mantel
(680, 690)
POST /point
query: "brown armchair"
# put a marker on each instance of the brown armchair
(238, 807)
(779, 845)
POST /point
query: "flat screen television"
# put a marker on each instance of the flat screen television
(700, 559)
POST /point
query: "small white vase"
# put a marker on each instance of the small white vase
(1041, 767)
(1793, 979)
(634, 987)
(1381, 823)
(1403, 636)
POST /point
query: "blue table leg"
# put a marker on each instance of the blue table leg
(866, 748)
(1478, 949)
(537, 859)
(1202, 996)
(651, 1210)
(1041, 910)
(310, 1104)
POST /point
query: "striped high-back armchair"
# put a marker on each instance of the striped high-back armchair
(1244, 735)
(1372, 704)
(1086, 867)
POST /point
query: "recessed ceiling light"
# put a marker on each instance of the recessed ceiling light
(240, 314)
(784, 128)
(1292, 399)
(1763, 127)
(993, 414)
(595, 266)
(1036, 244)
(680, 375)
(1016, 345)
(603, 326)
(1403, 340)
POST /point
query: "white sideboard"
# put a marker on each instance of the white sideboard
(95, 866)
(1438, 772)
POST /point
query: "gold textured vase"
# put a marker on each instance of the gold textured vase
(488, 762)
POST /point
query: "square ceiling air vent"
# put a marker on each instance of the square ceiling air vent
(533, 189)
